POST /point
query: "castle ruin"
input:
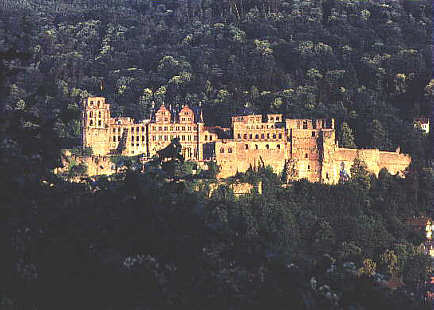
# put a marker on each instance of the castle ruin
(304, 148)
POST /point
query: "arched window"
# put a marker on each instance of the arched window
(306, 156)
(267, 147)
(222, 150)
(229, 150)
(256, 146)
(278, 146)
(256, 136)
(247, 146)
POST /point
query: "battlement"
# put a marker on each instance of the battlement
(306, 148)
(310, 124)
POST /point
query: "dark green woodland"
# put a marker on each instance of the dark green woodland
(158, 240)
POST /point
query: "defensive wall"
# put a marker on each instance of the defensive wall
(304, 148)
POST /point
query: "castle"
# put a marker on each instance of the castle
(304, 148)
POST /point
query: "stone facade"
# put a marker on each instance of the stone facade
(304, 148)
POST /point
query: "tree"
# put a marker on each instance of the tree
(346, 137)
(360, 174)
(378, 136)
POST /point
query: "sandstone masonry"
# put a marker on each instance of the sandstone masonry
(304, 148)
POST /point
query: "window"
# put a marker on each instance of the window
(306, 156)
(206, 138)
(229, 150)
(183, 138)
(327, 175)
(137, 129)
(143, 129)
(262, 136)
(298, 124)
(256, 136)
(91, 122)
(159, 128)
(277, 118)
(267, 147)
(323, 123)
(210, 138)
(153, 138)
(132, 138)
(239, 136)
(160, 138)
(314, 124)
(278, 146)
(114, 138)
(222, 150)
(183, 128)
(245, 136)
(91, 102)
(143, 138)
(99, 123)
(304, 124)
(256, 146)
(274, 136)
(268, 136)
(280, 136)
(308, 167)
(165, 138)
(165, 128)
(246, 146)
(91, 114)
(271, 119)
(114, 130)
(189, 138)
(195, 138)
(313, 133)
(119, 138)
(250, 136)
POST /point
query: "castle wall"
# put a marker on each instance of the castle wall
(238, 156)
(307, 146)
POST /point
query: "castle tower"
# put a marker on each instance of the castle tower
(95, 125)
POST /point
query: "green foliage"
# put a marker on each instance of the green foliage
(146, 240)
(360, 174)
(346, 138)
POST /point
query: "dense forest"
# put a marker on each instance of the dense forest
(156, 240)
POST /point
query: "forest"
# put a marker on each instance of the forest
(156, 240)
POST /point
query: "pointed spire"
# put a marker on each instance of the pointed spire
(152, 116)
(199, 113)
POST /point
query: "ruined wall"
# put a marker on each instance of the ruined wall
(374, 159)
(238, 156)
(95, 124)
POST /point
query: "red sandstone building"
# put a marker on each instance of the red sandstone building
(305, 148)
